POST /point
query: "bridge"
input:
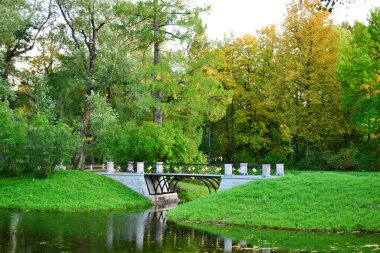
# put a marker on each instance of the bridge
(160, 186)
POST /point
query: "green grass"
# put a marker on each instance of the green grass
(68, 191)
(318, 201)
(189, 192)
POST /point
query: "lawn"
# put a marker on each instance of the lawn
(188, 191)
(68, 191)
(317, 201)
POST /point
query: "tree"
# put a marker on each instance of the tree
(21, 23)
(359, 73)
(307, 89)
(251, 127)
(84, 21)
(156, 22)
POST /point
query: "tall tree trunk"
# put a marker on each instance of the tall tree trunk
(5, 71)
(233, 133)
(80, 155)
(79, 160)
(6, 65)
(209, 142)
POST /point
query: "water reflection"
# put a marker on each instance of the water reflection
(148, 231)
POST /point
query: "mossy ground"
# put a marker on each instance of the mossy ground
(68, 191)
(318, 201)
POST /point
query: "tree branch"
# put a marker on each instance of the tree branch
(69, 22)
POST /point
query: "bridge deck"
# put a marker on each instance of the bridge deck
(166, 183)
(183, 175)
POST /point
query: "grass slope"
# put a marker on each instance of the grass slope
(68, 191)
(189, 191)
(321, 201)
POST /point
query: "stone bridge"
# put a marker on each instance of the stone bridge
(161, 187)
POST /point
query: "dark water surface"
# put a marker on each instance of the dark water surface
(150, 232)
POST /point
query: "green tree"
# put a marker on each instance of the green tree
(21, 22)
(156, 22)
(359, 73)
(84, 21)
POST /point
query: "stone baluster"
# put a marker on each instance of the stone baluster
(228, 169)
(227, 245)
(159, 167)
(243, 169)
(280, 169)
(130, 167)
(110, 167)
(140, 168)
(266, 170)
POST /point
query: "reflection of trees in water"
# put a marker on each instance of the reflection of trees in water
(15, 218)
(147, 231)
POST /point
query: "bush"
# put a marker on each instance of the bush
(48, 145)
(273, 158)
(12, 140)
(368, 157)
(104, 127)
(315, 160)
(345, 159)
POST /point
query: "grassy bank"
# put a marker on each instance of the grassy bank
(188, 191)
(68, 191)
(318, 201)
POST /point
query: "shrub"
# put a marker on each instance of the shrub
(12, 140)
(368, 157)
(273, 158)
(345, 159)
(104, 127)
(315, 160)
(48, 145)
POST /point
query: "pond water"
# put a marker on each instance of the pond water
(149, 231)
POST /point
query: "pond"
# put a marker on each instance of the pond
(149, 231)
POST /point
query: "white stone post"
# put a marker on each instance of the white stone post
(243, 169)
(91, 167)
(243, 244)
(140, 168)
(266, 170)
(110, 167)
(159, 167)
(227, 245)
(280, 169)
(130, 167)
(228, 169)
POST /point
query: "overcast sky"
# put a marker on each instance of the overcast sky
(246, 16)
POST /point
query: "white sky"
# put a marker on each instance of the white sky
(246, 16)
